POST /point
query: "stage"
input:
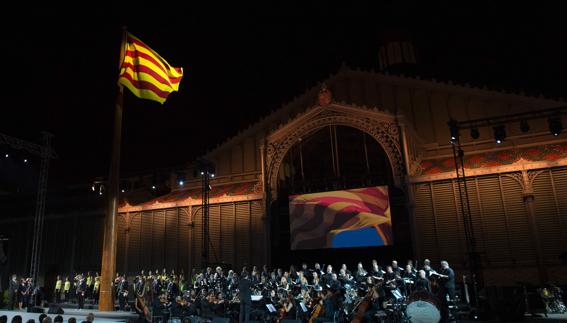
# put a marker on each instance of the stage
(80, 315)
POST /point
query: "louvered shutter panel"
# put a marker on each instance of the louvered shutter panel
(158, 237)
(184, 240)
(258, 241)
(559, 177)
(559, 181)
(242, 233)
(227, 233)
(214, 233)
(425, 222)
(134, 253)
(547, 219)
(146, 243)
(171, 239)
(494, 221)
(120, 243)
(477, 217)
(521, 239)
(445, 219)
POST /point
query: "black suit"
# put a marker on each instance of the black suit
(14, 286)
(245, 299)
(81, 291)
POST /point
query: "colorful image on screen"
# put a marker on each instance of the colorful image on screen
(341, 219)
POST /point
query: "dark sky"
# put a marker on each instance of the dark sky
(60, 69)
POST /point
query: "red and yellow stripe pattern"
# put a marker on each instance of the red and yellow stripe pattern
(147, 74)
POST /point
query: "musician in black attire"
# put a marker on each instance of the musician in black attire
(408, 277)
(421, 282)
(448, 284)
(374, 304)
(395, 267)
(245, 297)
(390, 275)
(172, 288)
(427, 268)
(361, 273)
(14, 286)
(80, 292)
(318, 270)
(328, 275)
(334, 283)
(123, 293)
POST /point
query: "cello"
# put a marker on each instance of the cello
(362, 307)
(317, 309)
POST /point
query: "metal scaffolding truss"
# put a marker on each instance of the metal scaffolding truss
(46, 153)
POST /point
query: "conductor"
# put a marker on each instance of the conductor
(245, 297)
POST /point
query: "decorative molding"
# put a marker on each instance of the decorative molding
(495, 158)
(190, 202)
(517, 167)
(526, 180)
(259, 187)
(379, 125)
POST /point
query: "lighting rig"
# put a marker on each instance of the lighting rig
(205, 169)
(498, 124)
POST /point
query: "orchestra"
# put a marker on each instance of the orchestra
(309, 294)
(306, 294)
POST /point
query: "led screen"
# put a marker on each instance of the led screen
(341, 219)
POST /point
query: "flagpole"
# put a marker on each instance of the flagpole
(108, 270)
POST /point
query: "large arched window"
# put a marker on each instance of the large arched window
(332, 158)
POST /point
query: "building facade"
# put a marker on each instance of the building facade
(361, 129)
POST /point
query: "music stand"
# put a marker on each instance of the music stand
(397, 294)
(271, 308)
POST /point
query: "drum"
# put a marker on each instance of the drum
(423, 307)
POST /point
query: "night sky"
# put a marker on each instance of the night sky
(60, 70)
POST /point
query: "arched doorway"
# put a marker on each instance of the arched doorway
(335, 157)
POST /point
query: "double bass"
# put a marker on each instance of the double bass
(143, 308)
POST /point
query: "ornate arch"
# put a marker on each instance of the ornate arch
(385, 132)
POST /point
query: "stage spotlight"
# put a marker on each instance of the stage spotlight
(153, 187)
(93, 188)
(474, 133)
(202, 173)
(212, 175)
(555, 125)
(499, 134)
(25, 161)
(454, 131)
(6, 155)
(122, 190)
(524, 126)
(181, 183)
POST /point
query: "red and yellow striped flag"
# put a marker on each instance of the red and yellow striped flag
(146, 73)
